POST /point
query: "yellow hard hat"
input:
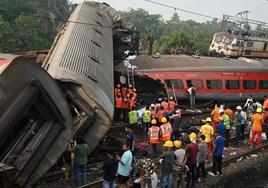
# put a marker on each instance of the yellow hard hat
(153, 122)
(177, 143)
(192, 136)
(168, 144)
(259, 110)
(134, 90)
(164, 120)
(208, 119)
(171, 98)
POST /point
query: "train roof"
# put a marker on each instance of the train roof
(145, 63)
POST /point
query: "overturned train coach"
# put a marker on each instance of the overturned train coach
(218, 79)
(43, 108)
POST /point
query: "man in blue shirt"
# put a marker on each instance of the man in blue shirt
(124, 167)
(217, 154)
(220, 127)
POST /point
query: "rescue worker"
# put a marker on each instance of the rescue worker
(118, 107)
(229, 112)
(178, 168)
(226, 121)
(192, 92)
(124, 91)
(191, 160)
(117, 90)
(130, 89)
(149, 42)
(153, 134)
(147, 114)
(165, 130)
(208, 131)
(133, 120)
(167, 161)
(175, 121)
(238, 123)
(125, 107)
(171, 104)
(164, 104)
(249, 100)
(160, 114)
(257, 123)
(215, 116)
(132, 103)
(135, 95)
(153, 110)
(265, 103)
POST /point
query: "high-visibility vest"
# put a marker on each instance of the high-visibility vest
(154, 135)
(116, 91)
(166, 132)
(132, 117)
(160, 114)
(165, 105)
(226, 121)
(171, 105)
(124, 91)
(147, 116)
(118, 102)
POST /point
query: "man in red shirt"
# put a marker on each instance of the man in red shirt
(191, 160)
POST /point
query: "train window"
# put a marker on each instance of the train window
(178, 84)
(238, 43)
(249, 84)
(214, 84)
(249, 44)
(232, 84)
(196, 83)
(263, 84)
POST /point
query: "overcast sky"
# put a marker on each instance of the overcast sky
(215, 8)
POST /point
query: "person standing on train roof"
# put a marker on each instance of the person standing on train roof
(257, 123)
(226, 121)
(215, 116)
(192, 92)
(249, 99)
(171, 104)
(208, 131)
(147, 115)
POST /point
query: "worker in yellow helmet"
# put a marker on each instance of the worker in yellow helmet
(167, 161)
(153, 135)
(165, 130)
(178, 168)
(191, 159)
(208, 131)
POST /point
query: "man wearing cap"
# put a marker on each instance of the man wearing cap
(178, 167)
(167, 161)
(208, 131)
(171, 104)
(226, 121)
(153, 134)
(165, 130)
(257, 123)
(191, 160)
(238, 123)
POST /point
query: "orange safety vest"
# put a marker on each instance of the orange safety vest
(154, 114)
(166, 132)
(124, 91)
(171, 105)
(116, 91)
(118, 102)
(129, 91)
(132, 104)
(160, 114)
(125, 104)
(134, 96)
(165, 105)
(154, 135)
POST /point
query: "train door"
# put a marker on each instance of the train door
(240, 47)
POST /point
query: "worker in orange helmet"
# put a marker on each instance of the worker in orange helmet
(153, 135)
(165, 130)
(118, 107)
(215, 116)
(117, 90)
(171, 104)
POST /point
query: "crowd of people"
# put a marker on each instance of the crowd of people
(178, 158)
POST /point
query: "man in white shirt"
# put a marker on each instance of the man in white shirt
(192, 91)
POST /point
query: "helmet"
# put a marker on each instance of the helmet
(169, 144)
(130, 86)
(159, 99)
(239, 108)
(119, 95)
(177, 143)
(128, 95)
(164, 120)
(208, 119)
(134, 90)
(171, 98)
(118, 85)
(192, 136)
(153, 122)
(259, 110)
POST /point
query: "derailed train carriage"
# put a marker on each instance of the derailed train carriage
(42, 109)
